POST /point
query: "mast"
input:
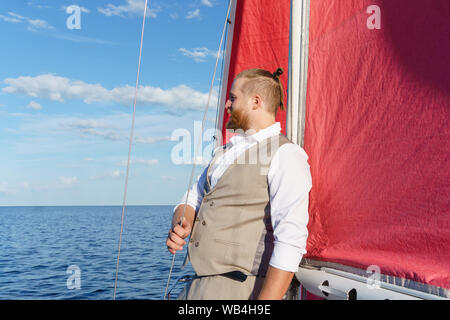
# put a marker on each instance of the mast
(298, 70)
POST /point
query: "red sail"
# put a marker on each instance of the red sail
(376, 129)
(378, 137)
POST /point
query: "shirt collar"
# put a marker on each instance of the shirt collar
(258, 136)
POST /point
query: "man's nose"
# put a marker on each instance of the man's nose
(228, 105)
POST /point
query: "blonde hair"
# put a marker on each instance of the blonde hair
(266, 84)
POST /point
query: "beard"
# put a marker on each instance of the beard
(238, 120)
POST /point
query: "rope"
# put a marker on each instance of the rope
(129, 150)
(201, 136)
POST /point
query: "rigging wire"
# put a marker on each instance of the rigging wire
(200, 138)
(129, 150)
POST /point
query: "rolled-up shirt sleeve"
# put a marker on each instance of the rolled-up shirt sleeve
(196, 193)
(289, 181)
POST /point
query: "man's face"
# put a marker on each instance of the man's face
(238, 107)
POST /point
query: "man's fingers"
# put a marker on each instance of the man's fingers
(179, 231)
(172, 246)
(186, 225)
(182, 231)
(172, 251)
(176, 239)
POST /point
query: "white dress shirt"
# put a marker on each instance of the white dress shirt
(289, 181)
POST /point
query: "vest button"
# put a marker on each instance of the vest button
(211, 204)
(204, 223)
(196, 244)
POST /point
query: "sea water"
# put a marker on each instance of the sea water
(70, 252)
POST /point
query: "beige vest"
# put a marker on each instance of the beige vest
(232, 230)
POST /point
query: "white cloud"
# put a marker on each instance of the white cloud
(36, 24)
(34, 105)
(39, 133)
(108, 135)
(39, 24)
(30, 3)
(10, 19)
(20, 187)
(109, 174)
(193, 14)
(198, 54)
(88, 124)
(33, 24)
(207, 3)
(6, 189)
(92, 127)
(82, 9)
(145, 162)
(76, 38)
(15, 15)
(108, 129)
(150, 140)
(114, 174)
(168, 178)
(131, 7)
(68, 181)
(57, 88)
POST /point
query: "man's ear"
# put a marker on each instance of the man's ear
(256, 102)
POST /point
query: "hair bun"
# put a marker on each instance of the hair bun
(277, 73)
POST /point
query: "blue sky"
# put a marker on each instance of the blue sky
(66, 98)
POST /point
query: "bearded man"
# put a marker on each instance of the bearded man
(247, 219)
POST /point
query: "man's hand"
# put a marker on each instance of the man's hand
(175, 240)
